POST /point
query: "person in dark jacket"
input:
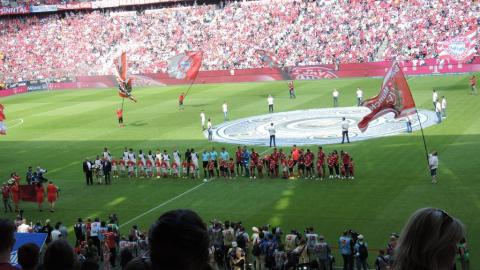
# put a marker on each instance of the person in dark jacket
(107, 168)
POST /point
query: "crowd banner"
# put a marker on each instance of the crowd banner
(14, 10)
(23, 238)
(41, 9)
(37, 85)
(75, 6)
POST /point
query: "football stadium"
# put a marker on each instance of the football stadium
(266, 134)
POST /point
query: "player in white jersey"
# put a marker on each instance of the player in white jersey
(195, 161)
(177, 158)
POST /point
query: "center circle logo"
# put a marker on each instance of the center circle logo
(314, 126)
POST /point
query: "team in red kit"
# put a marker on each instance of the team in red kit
(296, 163)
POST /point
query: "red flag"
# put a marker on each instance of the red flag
(185, 65)
(460, 48)
(395, 96)
(122, 66)
(28, 193)
(2, 115)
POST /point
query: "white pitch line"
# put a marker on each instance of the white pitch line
(161, 205)
(17, 124)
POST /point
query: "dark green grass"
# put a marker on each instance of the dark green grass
(61, 128)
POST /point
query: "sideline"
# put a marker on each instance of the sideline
(161, 205)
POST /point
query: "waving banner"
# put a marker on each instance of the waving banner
(185, 65)
(460, 48)
(395, 97)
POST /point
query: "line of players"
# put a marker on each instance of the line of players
(299, 163)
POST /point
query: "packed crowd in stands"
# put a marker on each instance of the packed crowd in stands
(299, 163)
(431, 239)
(295, 32)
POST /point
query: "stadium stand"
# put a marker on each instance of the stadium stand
(297, 33)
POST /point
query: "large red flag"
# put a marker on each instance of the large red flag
(185, 65)
(395, 97)
(122, 66)
(460, 48)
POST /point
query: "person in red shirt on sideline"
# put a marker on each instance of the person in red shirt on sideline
(52, 192)
(473, 85)
(120, 117)
(15, 190)
(40, 192)
(319, 169)
(180, 101)
(352, 169)
(309, 164)
(295, 154)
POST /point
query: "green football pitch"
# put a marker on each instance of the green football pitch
(58, 129)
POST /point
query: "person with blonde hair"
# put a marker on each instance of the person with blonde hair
(428, 241)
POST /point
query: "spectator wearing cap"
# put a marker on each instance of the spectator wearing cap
(7, 234)
(361, 253)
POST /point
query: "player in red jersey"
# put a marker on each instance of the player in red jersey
(114, 168)
(185, 169)
(164, 166)
(290, 164)
(231, 167)
(180, 101)
(352, 169)
(321, 158)
(276, 158)
(342, 172)
(272, 167)
(238, 161)
(284, 168)
(301, 165)
(319, 169)
(252, 167)
(131, 168)
(175, 172)
(336, 163)
(308, 164)
(52, 193)
(260, 168)
(211, 168)
(158, 166)
(193, 170)
(39, 191)
(331, 164)
(123, 167)
(346, 164)
(140, 168)
(223, 168)
(149, 169)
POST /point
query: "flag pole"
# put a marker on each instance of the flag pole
(423, 136)
(190, 87)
